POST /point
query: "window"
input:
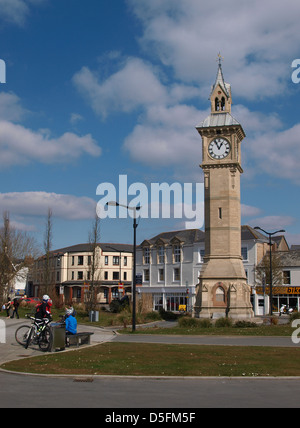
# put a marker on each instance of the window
(106, 260)
(146, 275)
(161, 254)
(161, 275)
(73, 275)
(73, 260)
(116, 260)
(79, 275)
(80, 260)
(176, 274)
(286, 277)
(177, 253)
(116, 276)
(88, 275)
(244, 253)
(106, 275)
(125, 260)
(89, 260)
(125, 276)
(220, 294)
(146, 256)
(201, 255)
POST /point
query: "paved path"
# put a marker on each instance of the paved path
(11, 350)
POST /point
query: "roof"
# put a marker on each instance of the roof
(190, 236)
(220, 81)
(289, 258)
(85, 248)
(186, 236)
(218, 119)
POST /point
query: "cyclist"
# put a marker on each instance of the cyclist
(43, 310)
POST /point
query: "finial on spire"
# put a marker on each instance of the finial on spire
(220, 58)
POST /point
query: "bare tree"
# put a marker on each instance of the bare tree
(47, 248)
(94, 264)
(17, 251)
(263, 270)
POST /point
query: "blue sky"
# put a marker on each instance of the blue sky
(99, 89)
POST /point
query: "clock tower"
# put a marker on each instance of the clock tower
(223, 288)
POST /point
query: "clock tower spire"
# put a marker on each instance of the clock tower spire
(223, 288)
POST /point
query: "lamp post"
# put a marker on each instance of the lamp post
(135, 209)
(270, 234)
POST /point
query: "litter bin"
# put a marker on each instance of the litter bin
(94, 316)
(58, 336)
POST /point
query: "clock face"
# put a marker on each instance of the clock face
(219, 148)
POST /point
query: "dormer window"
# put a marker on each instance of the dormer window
(176, 253)
(146, 255)
(161, 254)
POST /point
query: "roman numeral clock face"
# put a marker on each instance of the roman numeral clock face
(219, 148)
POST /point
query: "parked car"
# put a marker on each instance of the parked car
(32, 300)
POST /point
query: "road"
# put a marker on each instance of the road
(106, 392)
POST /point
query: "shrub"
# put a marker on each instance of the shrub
(294, 315)
(167, 315)
(223, 322)
(152, 316)
(186, 322)
(244, 324)
(205, 323)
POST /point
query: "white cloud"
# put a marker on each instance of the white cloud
(273, 222)
(134, 85)
(10, 107)
(257, 39)
(37, 204)
(16, 11)
(19, 145)
(249, 211)
(166, 136)
(277, 153)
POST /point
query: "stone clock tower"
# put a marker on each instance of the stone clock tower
(223, 289)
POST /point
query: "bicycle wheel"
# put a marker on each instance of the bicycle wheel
(22, 334)
(45, 339)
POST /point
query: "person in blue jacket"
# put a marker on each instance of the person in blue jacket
(71, 322)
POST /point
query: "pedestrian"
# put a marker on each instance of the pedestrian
(16, 305)
(8, 307)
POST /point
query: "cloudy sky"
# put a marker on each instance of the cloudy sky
(96, 90)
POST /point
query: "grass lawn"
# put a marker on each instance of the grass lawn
(165, 360)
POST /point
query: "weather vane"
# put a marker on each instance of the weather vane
(220, 58)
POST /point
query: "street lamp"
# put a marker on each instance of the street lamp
(270, 234)
(135, 209)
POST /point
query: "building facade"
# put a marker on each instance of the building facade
(69, 272)
(170, 265)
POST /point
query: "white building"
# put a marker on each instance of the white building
(170, 265)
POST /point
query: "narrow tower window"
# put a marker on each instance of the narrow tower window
(220, 213)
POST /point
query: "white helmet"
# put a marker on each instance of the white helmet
(69, 311)
(46, 298)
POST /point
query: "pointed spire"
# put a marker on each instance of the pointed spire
(220, 78)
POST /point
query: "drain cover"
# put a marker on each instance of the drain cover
(83, 379)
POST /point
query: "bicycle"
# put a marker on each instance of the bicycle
(39, 332)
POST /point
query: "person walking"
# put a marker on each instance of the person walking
(8, 307)
(16, 305)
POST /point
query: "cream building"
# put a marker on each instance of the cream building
(70, 272)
